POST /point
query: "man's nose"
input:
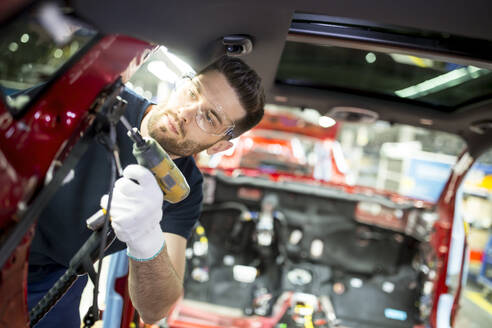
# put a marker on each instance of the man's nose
(187, 112)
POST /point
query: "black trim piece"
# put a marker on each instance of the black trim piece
(79, 264)
(369, 25)
(449, 45)
(318, 18)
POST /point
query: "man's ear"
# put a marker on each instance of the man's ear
(222, 145)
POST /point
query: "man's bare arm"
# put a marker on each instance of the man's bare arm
(157, 284)
(155, 281)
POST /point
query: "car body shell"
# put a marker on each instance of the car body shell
(59, 118)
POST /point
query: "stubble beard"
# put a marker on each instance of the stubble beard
(172, 146)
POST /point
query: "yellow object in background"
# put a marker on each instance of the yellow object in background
(487, 183)
(200, 230)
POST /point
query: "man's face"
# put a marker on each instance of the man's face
(196, 115)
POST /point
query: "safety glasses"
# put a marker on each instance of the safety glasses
(210, 117)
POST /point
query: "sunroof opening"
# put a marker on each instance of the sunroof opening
(437, 83)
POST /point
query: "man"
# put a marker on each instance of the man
(204, 113)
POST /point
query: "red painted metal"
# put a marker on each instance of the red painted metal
(29, 145)
(441, 238)
(457, 296)
(288, 122)
(184, 315)
(13, 283)
(344, 188)
(127, 309)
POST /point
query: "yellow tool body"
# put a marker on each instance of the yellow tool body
(151, 155)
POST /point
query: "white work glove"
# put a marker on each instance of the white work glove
(136, 210)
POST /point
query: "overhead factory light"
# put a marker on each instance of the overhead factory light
(370, 57)
(441, 82)
(162, 71)
(168, 67)
(180, 64)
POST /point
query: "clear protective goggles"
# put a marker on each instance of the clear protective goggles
(210, 117)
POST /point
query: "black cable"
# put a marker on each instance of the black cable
(93, 313)
(81, 263)
(76, 267)
(52, 296)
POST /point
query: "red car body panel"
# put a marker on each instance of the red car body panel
(441, 238)
(253, 141)
(29, 145)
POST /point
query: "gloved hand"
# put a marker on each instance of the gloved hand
(136, 210)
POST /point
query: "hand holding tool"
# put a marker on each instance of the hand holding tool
(150, 154)
(136, 212)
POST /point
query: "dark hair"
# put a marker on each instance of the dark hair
(247, 85)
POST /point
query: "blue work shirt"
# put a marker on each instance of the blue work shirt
(61, 229)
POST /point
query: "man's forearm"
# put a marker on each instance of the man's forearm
(154, 287)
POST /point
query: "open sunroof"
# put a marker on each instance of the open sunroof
(437, 83)
(316, 58)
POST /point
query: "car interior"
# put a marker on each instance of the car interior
(355, 257)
